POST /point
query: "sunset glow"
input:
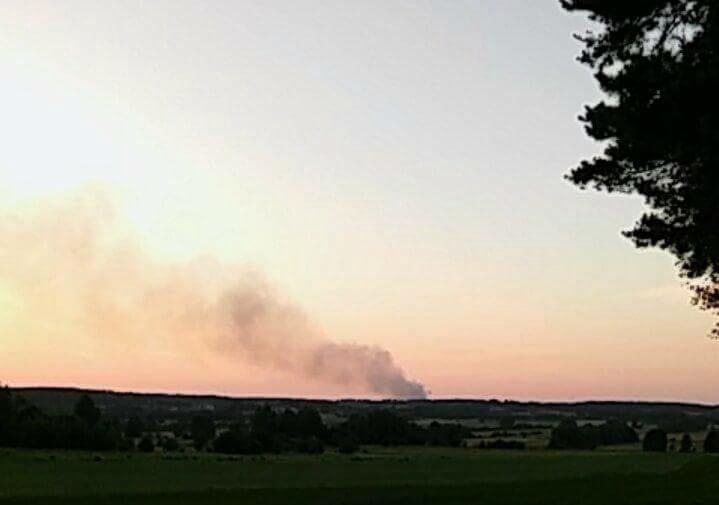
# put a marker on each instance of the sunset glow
(384, 182)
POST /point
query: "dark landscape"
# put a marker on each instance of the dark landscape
(158, 448)
(373, 227)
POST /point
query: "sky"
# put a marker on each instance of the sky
(390, 171)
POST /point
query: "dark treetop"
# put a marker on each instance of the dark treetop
(657, 62)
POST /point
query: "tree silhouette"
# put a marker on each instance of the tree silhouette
(686, 445)
(568, 435)
(309, 423)
(146, 444)
(86, 410)
(711, 442)
(6, 414)
(658, 63)
(202, 430)
(263, 427)
(655, 441)
(134, 427)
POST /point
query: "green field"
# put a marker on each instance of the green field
(443, 476)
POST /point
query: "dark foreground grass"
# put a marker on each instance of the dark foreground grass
(383, 477)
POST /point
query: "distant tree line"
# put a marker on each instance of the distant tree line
(23, 425)
(301, 429)
(569, 435)
(682, 423)
(500, 443)
(175, 412)
(656, 440)
(268, 431)
(304, 431)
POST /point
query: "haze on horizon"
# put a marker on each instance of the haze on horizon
(392, 169)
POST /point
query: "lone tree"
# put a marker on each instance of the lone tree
(146, 444)
(687, 444)
(711, 442)
(655, 441)
(86, 410)
(657, 61)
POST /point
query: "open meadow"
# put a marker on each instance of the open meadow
(378, 475)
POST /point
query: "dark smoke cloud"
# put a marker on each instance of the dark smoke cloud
(71, 265)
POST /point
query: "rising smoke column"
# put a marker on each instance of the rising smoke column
(269, 332)
(71, 268)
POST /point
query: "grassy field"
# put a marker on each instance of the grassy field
(443, 476)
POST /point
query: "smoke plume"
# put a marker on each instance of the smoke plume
(71, 266)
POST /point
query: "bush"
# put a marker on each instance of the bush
(503, 444)
(711, 442)
(567, 435)
(146, 444)
(348, 446)
(615, 432)
(202, 428)
(125, 444)
(170, 444)
(134, 427)
(86, 410)
(445, 434)
(655, 441)
(311, 445)
(236, 441)
(686, 445)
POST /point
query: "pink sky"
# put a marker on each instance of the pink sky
(392, 170)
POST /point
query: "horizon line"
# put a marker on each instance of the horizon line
(337, 399)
